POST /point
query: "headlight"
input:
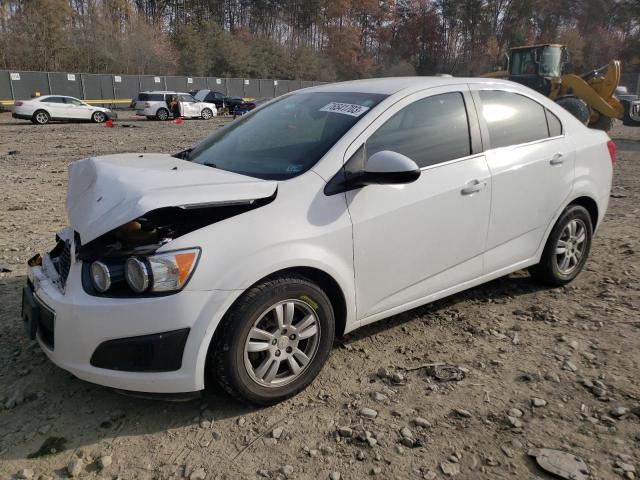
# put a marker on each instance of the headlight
(164, 272)
(137, 274)
(100, 277)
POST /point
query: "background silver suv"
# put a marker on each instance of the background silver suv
(162, 105)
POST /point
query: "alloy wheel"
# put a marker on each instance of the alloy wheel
(571, 246)
(282, 343)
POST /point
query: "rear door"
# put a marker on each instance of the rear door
(415, 240)
(56, 106)
(532, 171)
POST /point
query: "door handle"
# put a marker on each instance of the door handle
(557, 159)
(474, 186)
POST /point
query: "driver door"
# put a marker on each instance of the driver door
(76, 109)
(415, 240)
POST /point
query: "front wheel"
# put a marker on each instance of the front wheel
(567, 248)
(98, 117)
(576, 107)
(206, 114)
(603, 123)
(274, 341)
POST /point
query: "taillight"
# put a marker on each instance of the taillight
(612, 151)
(18, 104)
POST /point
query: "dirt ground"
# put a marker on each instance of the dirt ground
(555, 368)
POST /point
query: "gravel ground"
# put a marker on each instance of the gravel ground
(554, 368)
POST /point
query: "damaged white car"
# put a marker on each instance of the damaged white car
(241, 259)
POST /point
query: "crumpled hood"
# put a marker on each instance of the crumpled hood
(109, 191)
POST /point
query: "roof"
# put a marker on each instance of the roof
(391, 85)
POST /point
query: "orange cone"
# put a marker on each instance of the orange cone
(109, 123)
(178, 121)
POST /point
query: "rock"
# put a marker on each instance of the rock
(263, 473)
(396, 378)
(345, 432)
(25, 473)
(368, 413)
(507, 451)
(421, 422)
(563, 464)
(15, 398)
(463, 413)
(450, 469)
(286, 470)
(335, 476)
(105, 461)
(360, 455)
(375, 471)
(515, 412)
(378, 397)
(198, 474)
(552, 377)
(538, 402)
(430, 475)
(515, 422)
(618, 412)
(383, 372)
(569, 366)
(277, 432)
(626, 467)
(406, 433)
(408, 442)
(241, 421)
(74, 467)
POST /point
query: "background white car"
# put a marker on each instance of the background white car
(157, 105)
(41, 110)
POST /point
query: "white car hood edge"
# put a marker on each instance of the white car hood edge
(106, 192)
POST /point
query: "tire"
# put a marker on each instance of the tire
(576, 107)
(40, 117)
(98, 117)
(265, 375)
(162, 114)
(603, 123)
(206, 114)
(549, 271)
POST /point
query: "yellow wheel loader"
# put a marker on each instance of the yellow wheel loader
(589, 97)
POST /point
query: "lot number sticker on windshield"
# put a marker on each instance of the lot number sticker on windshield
(344, 108)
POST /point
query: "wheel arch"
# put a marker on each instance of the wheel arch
(590, 205)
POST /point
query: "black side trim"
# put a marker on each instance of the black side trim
(158, 352)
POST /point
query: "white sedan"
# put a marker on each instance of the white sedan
(327, 209)
(41, 110)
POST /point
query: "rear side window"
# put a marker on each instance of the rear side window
(555, 127)
(512, 118)
(151, 97)
(53, 100)
(429, 131)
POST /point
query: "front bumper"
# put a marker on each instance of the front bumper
(88, 334)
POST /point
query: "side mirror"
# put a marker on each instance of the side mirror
(382, 168)
(389, 168)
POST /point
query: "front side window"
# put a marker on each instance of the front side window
(287, 137)
(187, 98)
(72, 101)
(429, 131)
(523, 62)
(512, 119)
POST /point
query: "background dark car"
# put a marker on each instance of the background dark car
(233, 104)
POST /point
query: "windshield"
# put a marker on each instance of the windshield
(286, 137)
(550, 62)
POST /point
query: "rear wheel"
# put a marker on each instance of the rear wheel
(603, 123)
(99, 117)
(567, 248)
(41, 117)
(162, 114)
(274, 341)
(576, 107)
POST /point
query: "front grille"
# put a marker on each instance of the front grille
(63, 263)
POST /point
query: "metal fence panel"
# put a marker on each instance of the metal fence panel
(315, 84)
(217, 84)
(306, 84)
(65, 84)
(294, 85)
(25, 84)
(267, 89)
(151, 82)
(281, 87)
(5, 86)
(177, 84)
(235, 87)
(125, 86)
(251, 87)
(198, 83)
(97, 87)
